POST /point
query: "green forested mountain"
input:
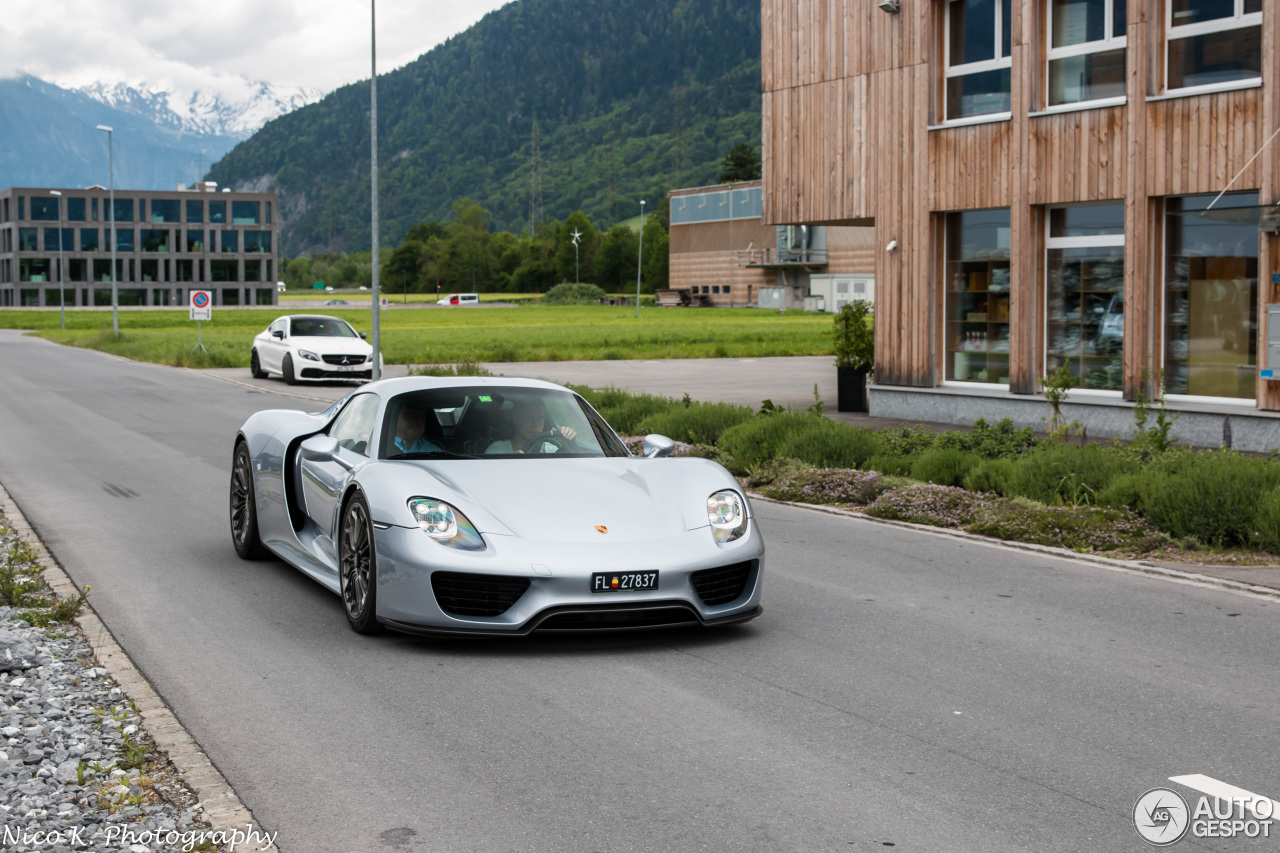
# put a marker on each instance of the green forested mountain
(629, 97)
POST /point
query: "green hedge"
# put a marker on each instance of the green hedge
(695, 423)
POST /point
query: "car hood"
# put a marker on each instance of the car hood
(563, 500)
(331, 345)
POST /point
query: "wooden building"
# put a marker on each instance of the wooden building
(723, 254)
(1041, 177)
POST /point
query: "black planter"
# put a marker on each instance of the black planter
(851, 389)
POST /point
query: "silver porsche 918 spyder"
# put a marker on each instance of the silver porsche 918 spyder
(492, 506)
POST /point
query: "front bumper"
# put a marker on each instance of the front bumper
(559, 596)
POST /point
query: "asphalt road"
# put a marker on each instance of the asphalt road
(902, 688)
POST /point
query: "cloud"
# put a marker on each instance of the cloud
(315, 43)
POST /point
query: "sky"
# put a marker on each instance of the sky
(193, 44)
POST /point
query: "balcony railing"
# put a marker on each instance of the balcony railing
(775, 258)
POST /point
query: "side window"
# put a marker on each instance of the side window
(354, 427)
(277, 326)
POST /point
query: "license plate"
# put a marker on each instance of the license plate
(620, 581)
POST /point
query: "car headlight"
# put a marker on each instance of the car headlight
(727, 512)
(308, 355)
(445, 524)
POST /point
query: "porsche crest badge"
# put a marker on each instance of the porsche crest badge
(601, 528)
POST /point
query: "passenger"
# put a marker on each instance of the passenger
(530, 417)
(410, 435)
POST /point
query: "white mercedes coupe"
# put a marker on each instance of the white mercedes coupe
(311, 347)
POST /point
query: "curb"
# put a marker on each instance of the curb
(1131, 566)
(221, 807)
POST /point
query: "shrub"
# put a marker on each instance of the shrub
(1058, 473)
(989, 442)
(753, 442)
(943, 467)
(1214, 497)
(940, 506)
(826, 486)
(889, 465)
(1079, 528)
(1129, 490)
(1267, 523)
(777, 468)
(573, 294)
(696, 423)
(990, 475)
(623, 410)
(831, 444)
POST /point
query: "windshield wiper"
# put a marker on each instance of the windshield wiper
(432, 454)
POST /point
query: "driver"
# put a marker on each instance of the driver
(529, 417)
(411, 424)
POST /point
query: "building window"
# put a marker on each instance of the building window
(257, 241)
(267, 220)
(1084, 294)
(185, 270)
(195, 241)
(124, 210)
(978, 62)
(93, 208)
(977, 299)
(223, 271)
(51, 239)
(27, 239)
(88, 239)
(230, 295)
(1211, 297)
(124, 239)
(244, 213)
(229, 241)
(75, 210)
(218, 211)
(164, 210)
(150, 269)
(1086, 51)
(34, 269)
(195, 211)
(264, 296)
(44, 209)
(1212, 42)
(155, 239)
(77, 269)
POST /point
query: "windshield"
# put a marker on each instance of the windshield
(494, 423)
(320, 327)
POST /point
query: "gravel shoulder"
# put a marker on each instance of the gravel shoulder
(90, 758)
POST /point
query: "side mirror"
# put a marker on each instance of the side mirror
(657, 446)
(320, 448)
(278, 333)
(364, 336)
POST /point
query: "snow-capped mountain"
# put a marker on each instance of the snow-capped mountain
(240, 109)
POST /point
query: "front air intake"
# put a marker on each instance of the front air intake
(463, 594)
(720, 586)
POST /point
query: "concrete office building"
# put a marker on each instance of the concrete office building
(1041, 177)
(167, 244)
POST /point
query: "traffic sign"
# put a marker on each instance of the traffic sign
(201, 305)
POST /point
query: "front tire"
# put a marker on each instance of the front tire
(286, 368)
(244, 510)
(358, 567)
(255, 367)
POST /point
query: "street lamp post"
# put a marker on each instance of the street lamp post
(640, 259)
(373, 177)
(111, 205)
(62, 275)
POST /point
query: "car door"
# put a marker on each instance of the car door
(323, 482)
(271, 347)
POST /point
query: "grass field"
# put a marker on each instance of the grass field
(357, 297)
(523, 333)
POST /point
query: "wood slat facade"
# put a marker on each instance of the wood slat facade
(853, 133)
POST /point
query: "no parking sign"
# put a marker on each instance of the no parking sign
(201, 305)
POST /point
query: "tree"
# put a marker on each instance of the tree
(656, 245)
(742, 163)
(616, 258)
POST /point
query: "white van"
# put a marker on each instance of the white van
(459, 299)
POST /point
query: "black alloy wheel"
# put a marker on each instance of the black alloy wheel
(255, 367)
(244, 512)
(358, 567)
(286, 368)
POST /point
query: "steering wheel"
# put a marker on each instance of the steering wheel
(534, 445)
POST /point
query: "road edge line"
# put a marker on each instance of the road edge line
(218, 800)
(1118, 565)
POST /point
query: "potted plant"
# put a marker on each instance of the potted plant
(855, 345)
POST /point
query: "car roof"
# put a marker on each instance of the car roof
(391, 387)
